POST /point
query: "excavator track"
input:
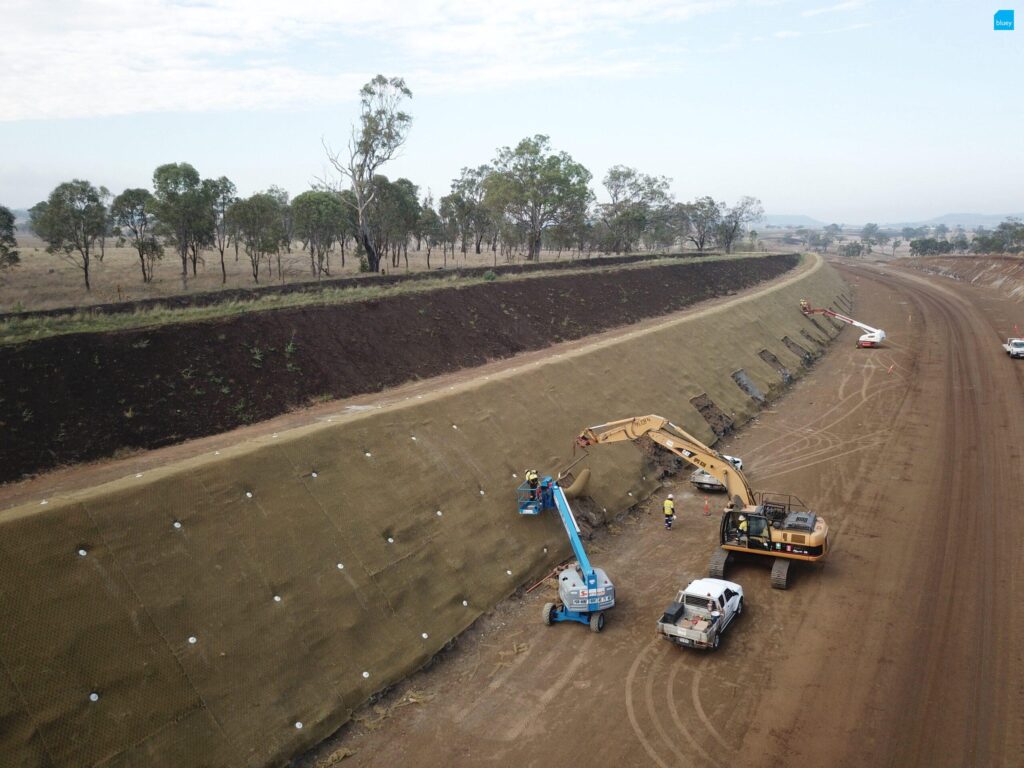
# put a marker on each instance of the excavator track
(780, 573)
(716, 566)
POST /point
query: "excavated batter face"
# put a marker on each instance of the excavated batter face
(239, 606)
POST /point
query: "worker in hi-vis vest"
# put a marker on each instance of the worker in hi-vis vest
(533, 480)
(669, 508)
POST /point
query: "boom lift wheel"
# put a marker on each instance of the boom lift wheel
(597, 621)
(716, 567)
(549, 608)
(780, 573)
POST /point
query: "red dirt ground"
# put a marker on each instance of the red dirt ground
(903, 649)
(80, 397)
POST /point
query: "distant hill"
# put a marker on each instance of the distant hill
(965, 220)
(20, 217)
(790, 220)
(972, 219)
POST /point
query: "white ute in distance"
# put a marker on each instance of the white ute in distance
(708, 482)
(1014, 347)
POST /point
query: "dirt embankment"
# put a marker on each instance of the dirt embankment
(80, 397)
(1003, 273)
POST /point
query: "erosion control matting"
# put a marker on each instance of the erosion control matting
(78, 397)
(233, 609)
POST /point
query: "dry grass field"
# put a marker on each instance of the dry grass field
(44, 280)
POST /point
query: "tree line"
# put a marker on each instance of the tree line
(1007, 237)
(530, 197)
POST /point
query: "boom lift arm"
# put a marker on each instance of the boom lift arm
(873, 336)
(585, 592)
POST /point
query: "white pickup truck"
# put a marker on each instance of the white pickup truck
(701, 613)
(706, 482)
(1014, 347)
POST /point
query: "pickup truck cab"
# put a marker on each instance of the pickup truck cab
(701, 613)
(1014, 347)
(706, 482)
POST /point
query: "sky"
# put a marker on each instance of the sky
(843, 110)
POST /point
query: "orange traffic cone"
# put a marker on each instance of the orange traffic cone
(707, 509)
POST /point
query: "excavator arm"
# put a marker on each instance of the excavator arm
(682, 444)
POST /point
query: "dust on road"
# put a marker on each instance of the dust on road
(901, 649)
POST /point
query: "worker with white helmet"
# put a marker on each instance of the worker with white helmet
(669, 508)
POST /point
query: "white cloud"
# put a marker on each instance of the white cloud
(782, 34)
(68, 58)
(849, 5)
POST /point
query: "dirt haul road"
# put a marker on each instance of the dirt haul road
(902, 650)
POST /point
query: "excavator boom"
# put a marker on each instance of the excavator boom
(770, 527)
(679, 442)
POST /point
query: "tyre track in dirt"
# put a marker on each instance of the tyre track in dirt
(930, 672)
(901, 650)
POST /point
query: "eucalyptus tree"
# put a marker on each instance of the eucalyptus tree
(476, 221)
(8, 241)
(184, 210)
(260, 228)
(704, 216)
(319, 219)
(132, 213)
(71, 220)
(734, 219)
(534, 188)
(222, 194)
(381, 132)
(637, 202)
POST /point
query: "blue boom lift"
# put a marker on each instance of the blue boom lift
(585, 592)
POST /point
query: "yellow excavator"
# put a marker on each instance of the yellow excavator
(767, 524)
